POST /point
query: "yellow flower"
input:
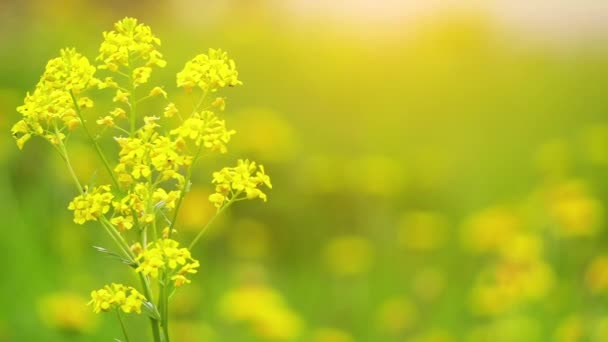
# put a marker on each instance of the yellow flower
(170, 110)
(117, 296)
(130, 42)
(596, 277)
(107, 121)
(66, 311)
(245, 178)
(209, 72)
(205, 128)
(141, 75)
(574, 209)
(264, 309)
(166, 256)
(91, 204)
(51, 107)
(158, 91)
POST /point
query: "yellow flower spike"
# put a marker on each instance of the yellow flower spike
(165, 255)
(51, 105)
(129, 42)
(117, 296)
(245, 178)
(91, 204)
(209, 72)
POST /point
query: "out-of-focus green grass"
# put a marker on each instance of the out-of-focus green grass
(385, 156)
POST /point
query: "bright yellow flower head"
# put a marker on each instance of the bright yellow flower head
(209, 72)
(245, 178)
(130, 43)
(164, 255)
(117, 296)
(207, 129)
(90, 205)
(50, 108)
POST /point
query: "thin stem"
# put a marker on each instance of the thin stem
(148, 294)
(68, 164)
(95, 144)
(200, 234)
(164, 305)
(122, 325)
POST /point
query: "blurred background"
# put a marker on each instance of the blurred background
(440, 173)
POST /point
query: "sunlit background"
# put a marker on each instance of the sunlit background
(440, 173)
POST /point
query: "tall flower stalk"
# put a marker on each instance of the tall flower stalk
(157, 153)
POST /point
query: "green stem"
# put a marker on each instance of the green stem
(200, 234)
(95, 144)
(148, 295)
(164, 306)
(122, 325)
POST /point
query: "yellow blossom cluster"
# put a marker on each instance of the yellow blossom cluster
(152, 170)
(205, 128)
(50, 109)
(131, 42)
(90, 205)
(149, 151)
(165, 256)
(231, 182)
(209, 72)
(117, 296)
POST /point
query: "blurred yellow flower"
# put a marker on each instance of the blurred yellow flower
(490, 229)
(264, 309)
(575, 211)
(508, 284)
(349, 255)
(196, 210)
(571, 329)
(422, 230)
(331, 335)
(66, 311)
(596, 276)
(396, 315)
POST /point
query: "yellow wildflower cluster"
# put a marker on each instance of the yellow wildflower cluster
(205, 128)
(165, 255)
(149, 151)
(153, 169)
(90, 205)
(129, 43)
(209, 72)
(117, 296)
(49, 110)
(231, 182)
